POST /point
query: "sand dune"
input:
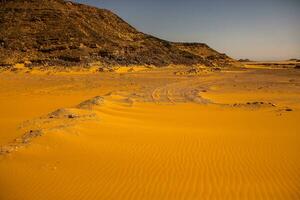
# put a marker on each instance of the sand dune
(153, 135)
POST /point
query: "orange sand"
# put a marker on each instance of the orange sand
(155, 136)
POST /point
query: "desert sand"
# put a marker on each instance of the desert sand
(169, 133)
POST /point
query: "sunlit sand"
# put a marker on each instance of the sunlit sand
(150, 134)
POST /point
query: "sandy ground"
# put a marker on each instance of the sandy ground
(150, 134)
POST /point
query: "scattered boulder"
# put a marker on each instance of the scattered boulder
(63, 113)
(254, 105)
(30, 135)
(89, 104)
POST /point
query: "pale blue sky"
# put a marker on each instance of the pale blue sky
(254, 29)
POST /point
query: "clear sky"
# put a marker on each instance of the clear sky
(254, 29)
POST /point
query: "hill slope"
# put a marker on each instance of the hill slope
(56, 32)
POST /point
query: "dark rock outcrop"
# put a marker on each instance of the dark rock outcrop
(244, 60)
(57, 32)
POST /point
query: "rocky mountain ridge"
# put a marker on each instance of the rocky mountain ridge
(64, 33)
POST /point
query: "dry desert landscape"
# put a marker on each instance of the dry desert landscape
(91, 108)
(170, 133)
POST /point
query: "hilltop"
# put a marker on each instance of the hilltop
(57, 32)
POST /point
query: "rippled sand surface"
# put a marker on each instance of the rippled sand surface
(150, 134)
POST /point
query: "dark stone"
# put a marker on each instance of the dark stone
(72, 116)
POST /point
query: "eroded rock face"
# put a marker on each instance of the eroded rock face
(56, 32)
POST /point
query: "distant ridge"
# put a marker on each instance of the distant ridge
(57, 32)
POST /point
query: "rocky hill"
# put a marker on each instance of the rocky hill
(57, 32)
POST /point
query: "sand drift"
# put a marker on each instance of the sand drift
(154, 134)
